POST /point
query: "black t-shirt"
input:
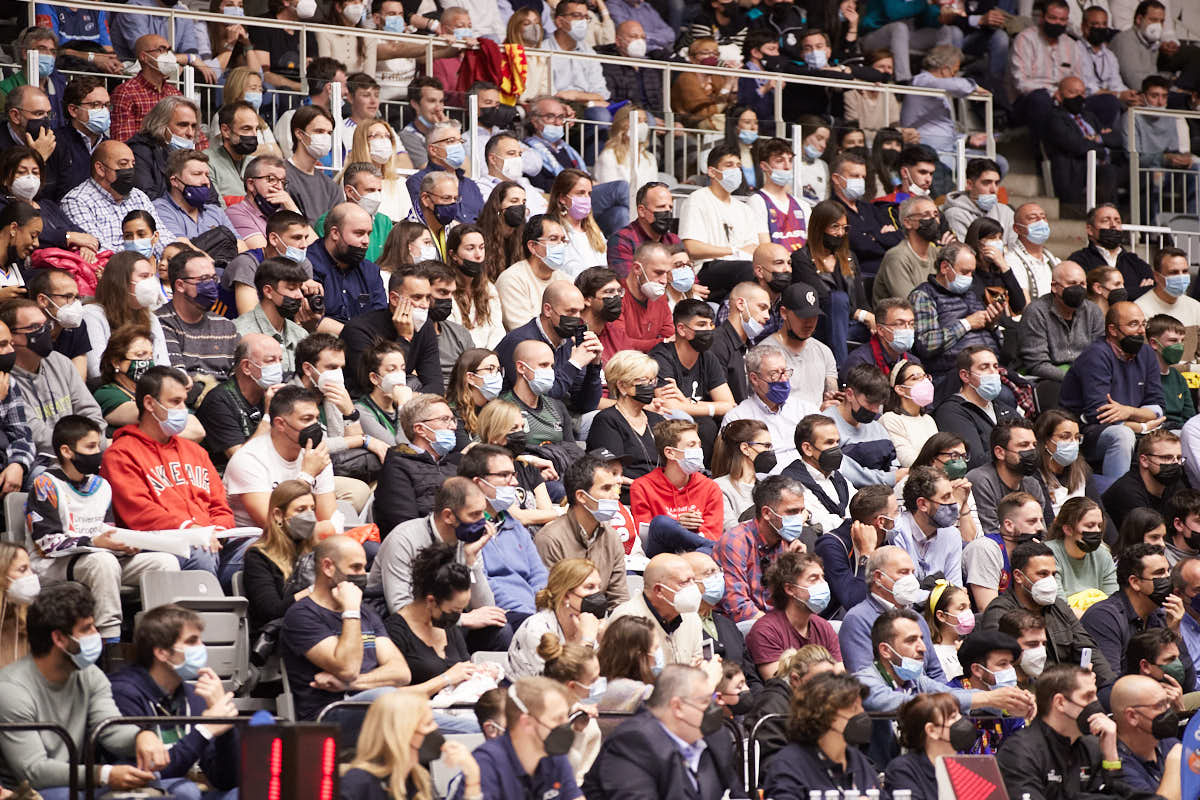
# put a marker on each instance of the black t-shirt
(423, 660)
(611, 430)
(305, 625)
(73, 342)
(284, 48)
(228, 420)
(696, 383)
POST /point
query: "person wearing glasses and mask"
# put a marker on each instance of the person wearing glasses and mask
(447, 153)
(1147, 734)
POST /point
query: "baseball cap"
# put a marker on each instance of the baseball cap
(801, 300)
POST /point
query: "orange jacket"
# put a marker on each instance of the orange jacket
(653, 494)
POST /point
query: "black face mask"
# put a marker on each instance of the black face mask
(644, 393)
(517, 442)
(1027, 462)
(244, 145)
(1110, 239)
(1073, 296)
(1099, 36)
(929, 229)
(702, 340)
(568, 325)
(610, 309)
(447, 620)
(744, 704)
(765, 461)
(662, 223)
(1169, 473)
(41, 341)
(353, 255)
(779, 281)
(514, 216)
(310, 433)
(1161, 591)
(1089, 711)
(8, 361)
(963, 734)
(558, 742)
(34, 127)
(858, 729)
(595, 604)
(1131, 345)
(1073, 105)
(289, 307)
(87, 463)
(441, 308)
(431, 748)
(1165, 725)
(712, 719)
(829, 460)
(472, 269)
(1053, 30)
(122, 184)
(358, 580)
(831, 242)
(1118, 295)
(862, 415)
(500, 116)
(1090, 541)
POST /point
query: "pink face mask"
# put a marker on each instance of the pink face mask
(581, 206)
(921, 392)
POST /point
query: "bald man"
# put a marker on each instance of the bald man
(575, 353)
(1147, 734)
(720, 629)
(98, 205)
(159, 65)
(1116, 386)
(334, 647)
(749, 314)
(236, 409)
(670, 598)
(1072, 131)
(1056, 328)
(353, 286)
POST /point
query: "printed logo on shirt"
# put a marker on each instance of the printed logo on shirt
(195, 475)
(1053, 777)
(368, 640)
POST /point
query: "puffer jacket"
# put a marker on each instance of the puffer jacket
(407, 485)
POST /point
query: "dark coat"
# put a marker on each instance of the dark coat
(407, 485)
(150, 164)
(963, 418)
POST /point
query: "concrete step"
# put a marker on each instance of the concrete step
(1023, 184)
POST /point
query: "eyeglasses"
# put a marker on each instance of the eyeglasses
(212, 276)
(838, 230)
(552, 117)
(899, 326)
(950, 455)
(445, 420)
(504, 476)
(271, 180)
(778, 375)
(95, 106)
(1167, 459)
(70, 297)
(449, 142)
(553, 240)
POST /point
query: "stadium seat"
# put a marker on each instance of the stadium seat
(442, 774)
(490, 657)
(14, 517)
(635, 583)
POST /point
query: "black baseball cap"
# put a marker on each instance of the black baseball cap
(604, 454)
(801, 300)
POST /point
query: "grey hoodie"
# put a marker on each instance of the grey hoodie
(960, 211)
(52, 393)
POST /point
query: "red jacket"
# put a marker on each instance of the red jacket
(646, 325)
(653, 494)
(163, 486)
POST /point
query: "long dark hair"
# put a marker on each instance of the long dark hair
(502, 244)
(940, 442)
(982, 228)
(878, 167)
(824, 214)
(470, 294)
(1076, 475)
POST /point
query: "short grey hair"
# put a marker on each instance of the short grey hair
(358, 168)
(156, 121)
(256, 167)
(910, 203)
(676, 680)
(449, 124)
(432, 179)
(756, 355)
(949, 254)
(940, 57)
(453, 10)
(29, 37)
(880, 559)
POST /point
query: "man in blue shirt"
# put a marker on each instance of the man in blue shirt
(126, 29)
(1185, 580)
(1113, 382)
(1147, 731)
(529, 760)
(84, 28)
(352, 284)
(190, 207)
(86, 119)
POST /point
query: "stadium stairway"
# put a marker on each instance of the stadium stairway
(1024, 184)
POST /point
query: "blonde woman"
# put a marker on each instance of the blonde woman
(570, 607)
(399, 732)
(774, 700)
(502, 423)
(525, 28)
(626, 426)
(291, 532)
(243, 83)
(20, 588)
(571, 206)
(578, 670)
(378, 144)
(742, 451)
(613, 162)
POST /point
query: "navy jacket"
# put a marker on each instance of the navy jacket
(866, 241)
(847, 578)
(421, 357)
(912, 771)
(1098, 373)
(966, 420)
(578, 388)
(799, 768)
(1112, 622)
(137, 695)
(348, 292)
(70, 164)
(638, 759)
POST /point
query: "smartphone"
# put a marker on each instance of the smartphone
(579, 336)
(1085, 658)
(706, 650)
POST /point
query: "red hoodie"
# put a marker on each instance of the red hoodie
(653, 494)
(163, 486)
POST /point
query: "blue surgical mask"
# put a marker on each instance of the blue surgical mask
(552, 133)
(144, 247)
(1065, 453)
(748, 175)
(556, 255)
(463, 33)
(961, 283)
(270, 374)
(747, 136)
(989, 386)
(394, 23)
(812, 153)
(505, 497)
(90, 647)
(790, 527)
(176, 421)
(195, 658)
(1177, 285)
(731, 178)
(1038, 232)
(443, 441)
(294, 254)
(45, 65)
(855, 188)
(781, 177)
(986, 202)
(456, 154)
(605, 509)
(817, 59)
(180, 143)
(99, 120)
(1005, 677)
(779, 391)
(542, 380)
(903, 340)
(233, 11)
(692, 461)
(254, 99)
(818, 597)
(753, 327)
(909, 669)
(714, 588)
(493, 384)
(597, 690)
(682, 279)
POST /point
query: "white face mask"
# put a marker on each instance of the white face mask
(352, 13)
(643, 132)
(429, 253)
(306, 8)
(167, 65)
(370, 202)
(419, 316)
(513, 168)
(1033, 660)
(687, 599)
(26, 187)
(148, 293)
(69, 316)
(1044, 591)
(334, 376)
(319, 145)
(381, 150)
(636, 48)
(1153, 31)
(25, 589)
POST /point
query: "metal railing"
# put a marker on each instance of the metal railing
(68, 742)
(1136, 171)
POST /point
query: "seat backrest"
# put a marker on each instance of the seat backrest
(14, 517)
(490, 657)
(635, 583)
(443, 774)
(160, 588)
(236, 584)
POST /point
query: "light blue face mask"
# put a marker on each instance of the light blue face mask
(961, 283)
(492, 385)
(1177, 285)
(45, 65)
(903, 339)
(505, 497)
(714, 588)
(556, 255)
(456, 154)
(179, 143)
(660, 661)
(748, 176)
(605, 509)
(542, 380)
(986, 202)
(99, 120)
(817, 59)
(746, 136)
(195, 658)
(1038, 232)
(989, 386)
(812, 153)
(394, 23)
(781, 177)
(294, 254)
(552, 133)
(90, 647)
(233, 11)
(818, 597)
(463, 33)
(731, 178)
(682, 279)
(1065, 453)
(597, 690)
(790, 526)
(177, 419)
(1005, 677)
(443, 441)
(144, 247)
(909, 669)
(254, 99)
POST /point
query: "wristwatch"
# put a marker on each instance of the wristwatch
(352, 416)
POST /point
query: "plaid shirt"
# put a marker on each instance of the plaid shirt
(627, 241)
(132, 101)
(93, 209)
(931, 334)
(743, 556)
(643, 86)
(13, 425)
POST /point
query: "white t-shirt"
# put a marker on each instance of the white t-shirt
(730, 224)
(258, 467)
(1185, 309)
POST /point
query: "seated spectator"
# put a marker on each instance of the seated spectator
(870, 232)
(646, 311)
(133, 99)
(870, 454)
(827, 265)
(818, 469)
(631, 38)
(1013, 467)
(774, 400)
(603, 294)
(85, 122)
(532, 704)
(380, 410)
(892, 339)
(426, 96)
(1100, 68)
(199, 342)
(417, 469)
(363, 185)
(56, 291)
(795, 620)
(1169, 295)
(1141, 48)
(1106, 247)
(947, 603)
(577, 669)
(452, 338)
(520, 284)
(575, 81)
(995, 276)
(678, 491)
(1181, 523)
(1029, 629)
(1072, 131)
(319, 671)
(570, 205)
(929, 532)
(503, 163)
(501, 423)
(1153, 479)
(671, 600)
(1040, 57)
(816, 707)
(154, 685)
(546, 418)
(950, 317)
(236, 140)
(774, 207)
(627, 426)
(476, 304)
(376, 143)
(312, 136)
(702, 100)
(1114, 386)
(56, 681)
(170, 126)
(570, 607)
(919, 719)
(1066, 705)
(234, 411)
(100, 205)
(698, 380)
(913, 177)
(906, 265)
(1138, 701)
(405, 321)
(906, 420)
(1163, 142)
(128, 357)
(846, 549)
(446, 153)
(909, 25)
(1030, 263)
(742, 452)
(727, 640)
(352, 284)
(278, 284)
(266, 185)
(1061, 471)
(750, 313)
(128, 293)
(1057, 328)
(514, 570)
(42, 42)
(1146, 526)
(979, 200)
(931, 117)
(712, 226)
(1155, 653)
(615, 161)
(593, 493)
(275, 576)
(654, 222)
(812, 366)
(645, 753)
(1084, 561)
(1165, 335)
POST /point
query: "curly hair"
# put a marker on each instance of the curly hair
(816, 702)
